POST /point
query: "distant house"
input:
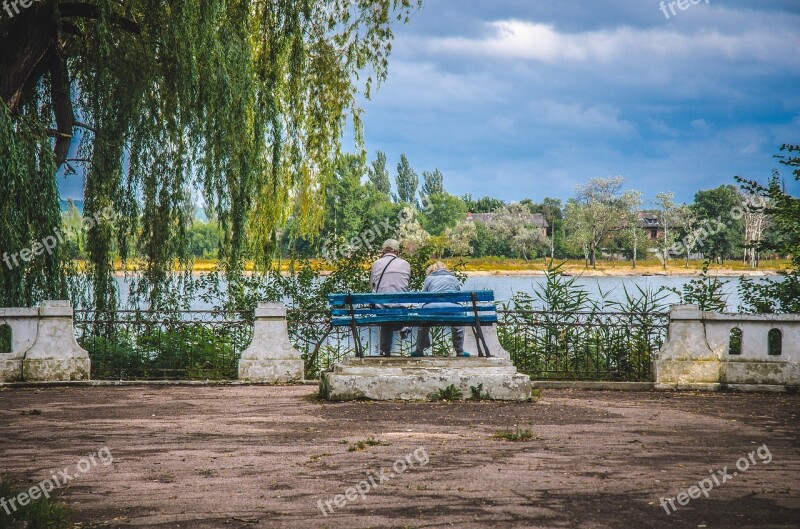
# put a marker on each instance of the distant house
(533, 219)
(649, 223)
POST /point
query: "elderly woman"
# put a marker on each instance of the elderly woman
(440, 279)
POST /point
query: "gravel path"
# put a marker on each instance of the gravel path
(250, 456)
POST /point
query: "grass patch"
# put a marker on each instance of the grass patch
(451, 392)
(515, 435)
(41, 513)
(363, 444)
(477, 393)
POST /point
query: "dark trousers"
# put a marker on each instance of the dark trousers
(424, 339)
(387, 337)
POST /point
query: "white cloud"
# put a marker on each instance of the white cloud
(519, 39)
(601, 117)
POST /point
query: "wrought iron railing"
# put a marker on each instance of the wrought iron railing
(133, 344)
(616, 346)
(204, 344)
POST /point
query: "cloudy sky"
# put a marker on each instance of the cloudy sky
(527, 98)
(524, 98)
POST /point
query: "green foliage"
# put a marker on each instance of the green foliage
(768, 296)
(246, 101)
(482, 205)
(714, 207)
(406, 182)
(29, 211)
(561, 332)
(204, 239)
(477, 393)
(433, 183)
(442, 211)
(597, 211)
(363, 444)
(449, 393)
(379, 175)
(41, 513)
(705, 291)
(515, 435)
(154, 349)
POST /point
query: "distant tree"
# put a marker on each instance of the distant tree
(460, 238)
(632, 202)
(755, 222)
(718, 207)
(247, 101)
(528, 241)
(345, 198)
(783, 210)
(595, 213)
(442, 211)
(482, 205)
(204, 239)
(667, 221)
(406, 181)
(433, 183)
(551, 210)
(411, 234)
(512, 224)
(379, 175)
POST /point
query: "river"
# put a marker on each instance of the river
(611, 287)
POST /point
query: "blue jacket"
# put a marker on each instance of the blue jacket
(441, 281)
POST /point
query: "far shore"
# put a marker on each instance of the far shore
(630, 272)
(482, 267)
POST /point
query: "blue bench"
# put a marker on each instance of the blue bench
(472, 308)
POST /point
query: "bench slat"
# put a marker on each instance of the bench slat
(394, 311)
(419, 319)
(411, 297)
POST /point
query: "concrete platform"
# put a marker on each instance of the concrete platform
(404, 378)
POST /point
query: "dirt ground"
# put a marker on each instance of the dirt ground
(250, 456)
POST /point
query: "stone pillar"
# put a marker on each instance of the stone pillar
(270, 358)
(23, 323)
(492, 341)
(686, 361)
(55, 355)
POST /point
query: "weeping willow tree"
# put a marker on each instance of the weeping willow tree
(242, 101)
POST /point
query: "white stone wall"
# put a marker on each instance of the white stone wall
(697, 354)
(43, 345)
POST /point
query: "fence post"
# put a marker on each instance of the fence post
(22, 323)
(686, 361)
(55, 355)
(270, 358)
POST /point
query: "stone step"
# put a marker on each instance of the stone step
(382, 366)
(499, 386)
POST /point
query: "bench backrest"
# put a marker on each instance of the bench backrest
(359, 309)
(386, 298)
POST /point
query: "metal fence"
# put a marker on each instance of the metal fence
(615, 346)
(133, 345)
(137, 345)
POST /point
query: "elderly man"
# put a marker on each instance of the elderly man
(390, 273)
